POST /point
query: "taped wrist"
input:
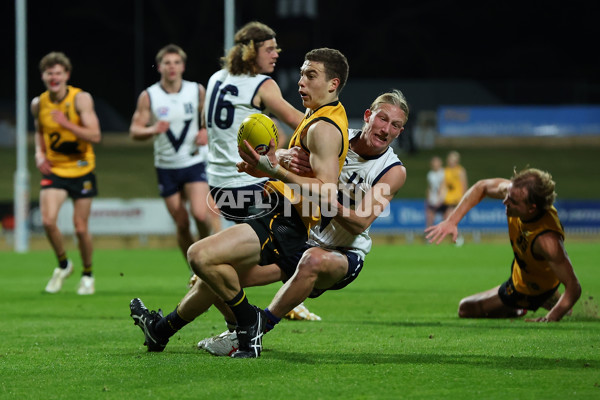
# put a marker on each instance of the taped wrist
(275, 171)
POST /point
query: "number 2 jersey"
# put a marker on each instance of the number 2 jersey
(228, 103)
(531, 275)
(358, 176)
(69, 156)
(177, 147)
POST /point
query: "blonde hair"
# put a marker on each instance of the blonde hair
(170, 49)
(539, 185)
(395, 98)
(55, 58)
(241, 58)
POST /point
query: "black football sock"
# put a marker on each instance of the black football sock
(243, 311)
(87, 270)
(169, 325)
(63, 261)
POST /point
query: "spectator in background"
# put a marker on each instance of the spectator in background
(168, 111)
(536, 235)
(455, 186)
(66, 126)
(434, 196)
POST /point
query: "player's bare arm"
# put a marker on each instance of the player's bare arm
(296, 160)
(495, 188)
(550, 247)
(324, 142)
(202, 135)
(373, 203)
(271, 97)
(41, 161)
(140, 128)
(89, 130)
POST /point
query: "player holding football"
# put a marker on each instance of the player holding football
(536, 235)
(336, 250)
(168, 112)
(279, 233)
(66, 126)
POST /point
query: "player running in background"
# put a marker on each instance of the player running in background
(536, 235)
(168, 112)
(66, 126)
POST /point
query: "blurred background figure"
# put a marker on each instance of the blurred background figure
(455, 186)
(169, 113)
(66, 127)
(434, 196)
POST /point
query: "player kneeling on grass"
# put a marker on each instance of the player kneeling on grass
(541, 263)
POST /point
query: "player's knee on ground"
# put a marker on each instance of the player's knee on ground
(468, 308)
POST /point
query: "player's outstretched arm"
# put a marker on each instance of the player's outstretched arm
(495, 188)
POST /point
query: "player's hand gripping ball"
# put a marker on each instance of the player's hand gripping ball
(257, 130)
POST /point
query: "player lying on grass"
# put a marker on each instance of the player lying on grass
(536, 235)
(344, 238)
(279, 226)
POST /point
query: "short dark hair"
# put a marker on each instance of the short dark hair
(335, 63)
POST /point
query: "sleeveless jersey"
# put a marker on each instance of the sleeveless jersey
(530, 275)
(358, 176)
(69, 156)
(453, 185)
(177, 147)
(335, 114)
(435, 180)
(228, 103)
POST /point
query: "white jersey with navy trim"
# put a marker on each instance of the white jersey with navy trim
(177, 147)
(357, 177)
(228, 102)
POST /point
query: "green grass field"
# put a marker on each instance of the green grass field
(391, 334)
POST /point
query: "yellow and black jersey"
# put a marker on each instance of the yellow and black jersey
(531, 275)
(69, 156)
(454, 186)
(335, 114)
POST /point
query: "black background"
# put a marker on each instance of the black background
(527, 52)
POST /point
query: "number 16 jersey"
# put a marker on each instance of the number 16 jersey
(228, 102)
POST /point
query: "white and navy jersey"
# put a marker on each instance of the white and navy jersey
(177, 147)
(228, 102)
(435, 180)
(358, 176)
